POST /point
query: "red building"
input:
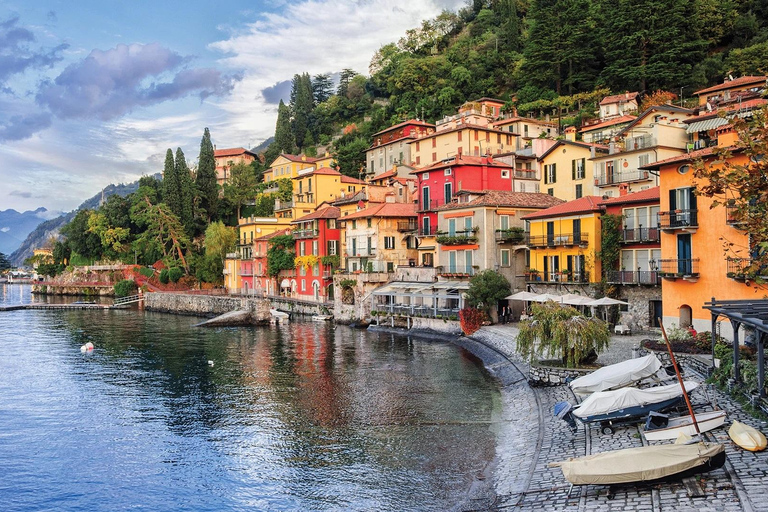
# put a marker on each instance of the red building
(438, 183)
(318, 246)
(261, 280)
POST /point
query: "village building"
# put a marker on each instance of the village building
(317, 238)
(566, 172)
(390, 148)
(227, 158)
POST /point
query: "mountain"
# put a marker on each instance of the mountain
(263, 146)
(40, 234)
(15, 226)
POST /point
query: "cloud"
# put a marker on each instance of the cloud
(108, 84)
(15, 54)
(5, 230)
(20, 193)
(22, 127)
(277, 92)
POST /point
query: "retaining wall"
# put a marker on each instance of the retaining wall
(206, 305)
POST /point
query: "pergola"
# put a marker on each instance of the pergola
(410, 298)
(751, 313)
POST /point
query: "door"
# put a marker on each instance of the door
(452, 262)
(425, 198)
(550, 234)
(448, 191)
(468, 262)
(577, 231)
(684, 263)
(655, 310)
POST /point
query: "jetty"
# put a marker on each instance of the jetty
(119, 303)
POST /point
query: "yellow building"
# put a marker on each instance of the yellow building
(249, 229)
(566, 169)
(288, 166)
(563, 241)
(311, 187)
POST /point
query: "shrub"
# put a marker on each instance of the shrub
(125, 288)
(164, 276)
(146, 272)
(174, 274)
(471, 320)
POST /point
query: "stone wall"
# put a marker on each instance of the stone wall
(206, 305)
(554, 376)
(638, 316)
(298, 306)
(92, 290)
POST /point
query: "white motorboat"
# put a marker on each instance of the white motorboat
(619, 375)
(659, 426)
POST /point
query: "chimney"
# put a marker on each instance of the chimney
(303, 158)
(623, 189)
(570, 133)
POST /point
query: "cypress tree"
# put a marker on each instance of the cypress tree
(283, 135)
(205, 181)
(302, 104)
(322, 88)
(186, 194)
(171, 196)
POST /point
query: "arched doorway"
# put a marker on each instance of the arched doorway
(686, 316)
(316, 290)
(329, 292)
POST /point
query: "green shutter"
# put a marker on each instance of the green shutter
(573, 169)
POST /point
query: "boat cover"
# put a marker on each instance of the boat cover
(617, 375)
(606, 402)
(637, 464)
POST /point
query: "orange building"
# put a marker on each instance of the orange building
(226, 158)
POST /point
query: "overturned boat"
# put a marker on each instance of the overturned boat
(643, 464)
(659, 427)
(619, 375)
(622, 405)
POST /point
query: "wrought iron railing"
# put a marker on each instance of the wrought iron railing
(677, 219)
(514, 236)
(646, 277)
(604, 179)
(639, 235)
(407, 225)
(679, 267)
(456, 270)
(560, 240)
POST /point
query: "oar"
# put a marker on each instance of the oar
(680, 379)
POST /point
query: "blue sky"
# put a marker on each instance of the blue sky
(94, 92)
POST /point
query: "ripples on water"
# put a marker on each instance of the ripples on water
(298, 417)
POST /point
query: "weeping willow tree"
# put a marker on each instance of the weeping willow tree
(559, 331)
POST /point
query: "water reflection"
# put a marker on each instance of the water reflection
(304, 416)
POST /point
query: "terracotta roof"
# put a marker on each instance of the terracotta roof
(286, 231)
(415, 122)
(585, 204)
(299, 158)
(350, 179)
(685, 157)
(610, 122)
(654, 108)
(504, 198)
(384, 210)
(463, 160)
(644, 196)
(463, 126)
(384, 175)
(586, 145)
(744, 80)
(404, 181)
(730, 108)
(514, 119)
(329, 212)
(231, 152)
(616, 98)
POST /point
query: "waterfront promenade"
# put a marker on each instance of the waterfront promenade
(531, 437)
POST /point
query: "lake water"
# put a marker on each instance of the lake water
(166, 416)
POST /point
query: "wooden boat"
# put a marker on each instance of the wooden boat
(747, 437)
(659, 427)
(322, 318)
(619, 375)
(643, 464)
(622, 405)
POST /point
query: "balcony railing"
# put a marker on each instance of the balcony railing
(646, 277)
(679, 268)
(431, 205)
(466, 236)
(426, 231)
(305, 233)
(561, 240)
(678, 219)
(283, 205)
(512, 236)
(456, 270)
(557, 277)
(406, 225)
(360, 253)
(245, 272)
(605, 179)
(526, 174)
(737, 268)
(730, 215)
(701, 144)
(640, 235)
(306, 197)
(642, 142)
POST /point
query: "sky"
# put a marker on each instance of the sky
(94, 92)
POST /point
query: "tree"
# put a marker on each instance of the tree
(185, 190)
(171, 192)
(114, 240)
(741, 185)
(322, 88)
(82, 241)
(219, 240)
(205, 181)
(283, 135)
(302, 104)
(611, 242)
(162, 230)
(486, 289)
(345, 78)
(561, 331)
(241, 186)
(349, 154)
(280, 255)
(5, 264)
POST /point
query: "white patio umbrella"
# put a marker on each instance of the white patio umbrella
(524, 296)
(606, 301)
(573, 299)
(544, 297)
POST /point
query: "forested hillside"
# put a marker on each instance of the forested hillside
(531, 53)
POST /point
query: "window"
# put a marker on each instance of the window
(425, 176)
(369, 222)
(459, 135)
(332, 247)
(448, 191)
(452, 227)
(550, 173)
(505, 257)
(425, 205)
(447, 172)
(683, 169)
(331, 224)
(551, 191)
(303, 285)
(302, 270)
(643, 160)
(371, 248)
(577, 168)
(504, 221)
(389, 242)
(578, 191)
(468, 223)
(302, 250)
(316, 269)
(434, 157)
(434, 142)
(314, 247)
(390, 267)
(505, 173)
(354, 224)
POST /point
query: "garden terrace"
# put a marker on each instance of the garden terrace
(462, 237)
(442, 299)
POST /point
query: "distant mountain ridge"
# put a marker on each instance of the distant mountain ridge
(15, 226)
(45, 230)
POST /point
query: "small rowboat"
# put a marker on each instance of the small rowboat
(747, 437)
(643, 464)
(671, 428)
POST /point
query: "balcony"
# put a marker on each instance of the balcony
(245, 273)
(463, 237)
(283, 205)
(738, 268)
(640, 235)
(612, 178)
(360, 253)
(426, 231)
(456, 270)
(427, 207)
(679, 219)
(305, 198)
(526, 174)
(272, 189)
(701, 144)
(565, 276)
(299, 234)
(510, 236)
(731, 214)
(407, 225)
(644, 277)
(687, 269)
(642, 142)
(561, 240)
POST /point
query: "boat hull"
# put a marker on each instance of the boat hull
(684, 425)
(747, 437)
(631, 413)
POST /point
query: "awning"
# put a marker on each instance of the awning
(285, 283)
(706, 125)
(426, 248)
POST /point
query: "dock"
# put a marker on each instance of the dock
(119, 303)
